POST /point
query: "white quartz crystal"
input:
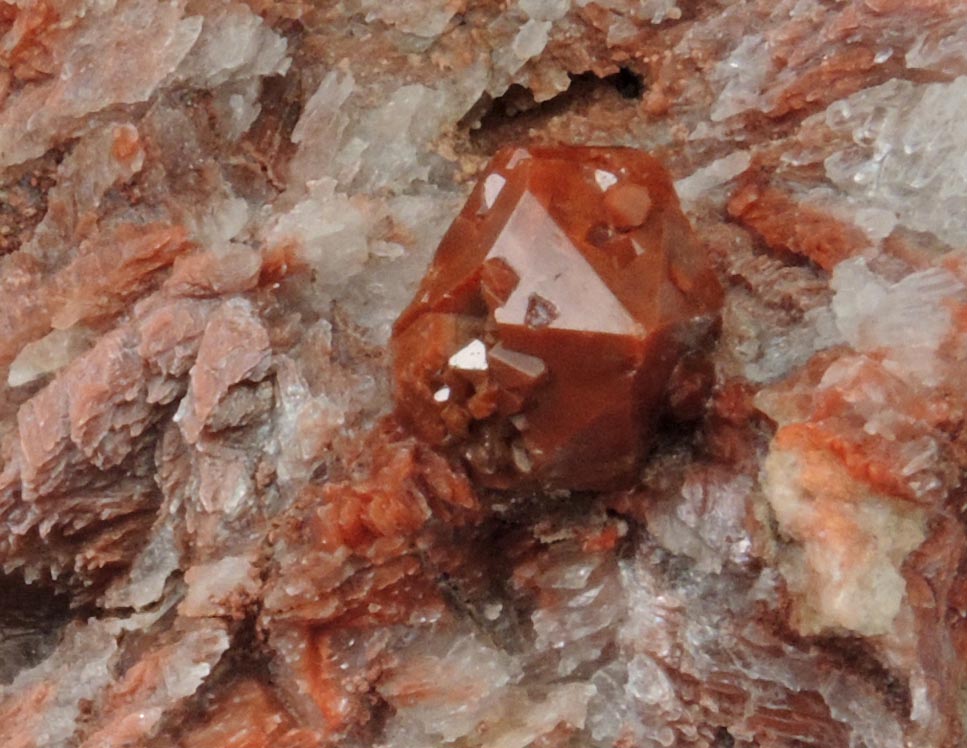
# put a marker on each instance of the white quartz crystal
(906, 154)
(319, 131)
(328, 231)
(531, 39)
(148, 41)
(47, 355)
(694, 187)
(654, 11)
(909, 319)
(234, 44)
(545, 10)
(461, 679)
(151, 569)
(743, 76)
(426, 18)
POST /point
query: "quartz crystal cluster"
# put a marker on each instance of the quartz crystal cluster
(560, 304)
(623, 470)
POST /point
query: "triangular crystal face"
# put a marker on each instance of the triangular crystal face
(557, 287)
(541, 340)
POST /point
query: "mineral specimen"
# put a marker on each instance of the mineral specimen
(214, 531)
(545, 334)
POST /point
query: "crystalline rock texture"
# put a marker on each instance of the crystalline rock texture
(363, 383)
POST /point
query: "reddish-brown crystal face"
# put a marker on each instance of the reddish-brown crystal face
(542, 340)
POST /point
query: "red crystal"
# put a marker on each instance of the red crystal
(543, 338)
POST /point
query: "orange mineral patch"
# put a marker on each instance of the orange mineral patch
(541, 342)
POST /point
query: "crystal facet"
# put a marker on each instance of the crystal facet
(552, 318)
